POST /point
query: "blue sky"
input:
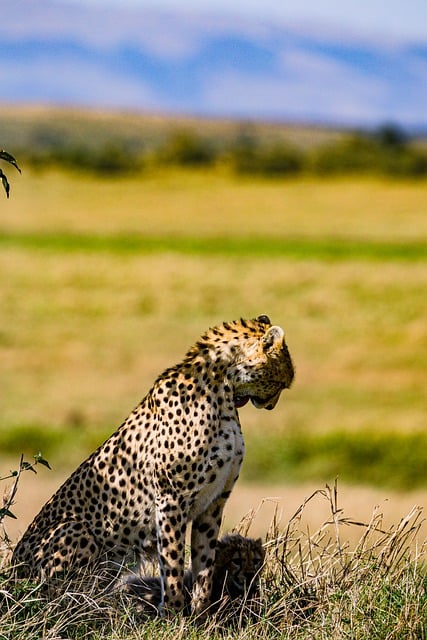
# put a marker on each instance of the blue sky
(395, 19)
(354, 63)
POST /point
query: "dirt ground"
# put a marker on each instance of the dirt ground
(257, 505)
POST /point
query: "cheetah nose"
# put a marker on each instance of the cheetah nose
(240, 401)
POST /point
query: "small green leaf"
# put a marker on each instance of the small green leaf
(5, 512)
(4, 155)
(27, 466)
(5, 183)
(38, 459)
(44, 462)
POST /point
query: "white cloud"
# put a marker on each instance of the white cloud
(69, 83)
(392, 20)
(297, 61)
(304, 76)
(105, 27)
(327, 93)
(96, 27)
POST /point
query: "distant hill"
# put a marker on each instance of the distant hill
(24, 126)
(114, 142)
(220, 63)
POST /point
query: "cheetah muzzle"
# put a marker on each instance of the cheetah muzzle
(173, 462)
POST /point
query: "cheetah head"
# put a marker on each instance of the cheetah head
(263, 367)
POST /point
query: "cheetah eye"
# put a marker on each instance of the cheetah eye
(237, 563)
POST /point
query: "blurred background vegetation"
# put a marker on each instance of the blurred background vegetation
(118, 144)
(127, 236)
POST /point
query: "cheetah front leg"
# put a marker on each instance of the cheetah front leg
(204, 535)
(171, 529)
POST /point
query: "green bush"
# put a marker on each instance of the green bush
(184, 147)
(406, 163)
(354, 154)
(385, 152)
(111, 155)
(110, 159)
(276, 160)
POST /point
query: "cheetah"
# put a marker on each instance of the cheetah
(173, 462)
(237, 569)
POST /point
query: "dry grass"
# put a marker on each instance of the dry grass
(338, 590)
(314, 585)
(85, 334)
(212, 203)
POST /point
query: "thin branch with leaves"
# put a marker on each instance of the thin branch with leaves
(7, 157)
(8, 498)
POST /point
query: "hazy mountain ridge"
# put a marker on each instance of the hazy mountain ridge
(213, 65)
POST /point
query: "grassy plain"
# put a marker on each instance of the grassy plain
(88, 322)
(105, 283)
(214, 203)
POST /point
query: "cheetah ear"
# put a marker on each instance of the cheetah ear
(221, 544)
(273, 339)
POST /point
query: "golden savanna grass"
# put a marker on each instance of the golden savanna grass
(87, 333)
(83, 333)
(215, 203)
